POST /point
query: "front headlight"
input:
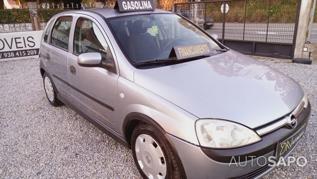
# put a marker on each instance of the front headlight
(215, 133)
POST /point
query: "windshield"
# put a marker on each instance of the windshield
(149, 37)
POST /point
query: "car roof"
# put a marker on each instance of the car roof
(110, 12)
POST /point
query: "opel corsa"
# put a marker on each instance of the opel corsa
(187, 106)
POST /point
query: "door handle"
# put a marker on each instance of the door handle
(72, 69)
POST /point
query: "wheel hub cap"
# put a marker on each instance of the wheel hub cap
(49, 90)
(150, 157)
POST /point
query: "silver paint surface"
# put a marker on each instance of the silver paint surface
(226, 86)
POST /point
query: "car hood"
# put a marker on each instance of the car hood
(227, 86)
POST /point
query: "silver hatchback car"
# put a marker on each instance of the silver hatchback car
(186, 105)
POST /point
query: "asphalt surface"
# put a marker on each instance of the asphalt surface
(41, 141)
(277, 32)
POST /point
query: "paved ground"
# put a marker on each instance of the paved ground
(40, 141)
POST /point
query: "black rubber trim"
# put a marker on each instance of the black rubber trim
(254, 174)
(266, 145)
(85, 94)
(135, 116)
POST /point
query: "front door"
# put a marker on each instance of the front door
(93, 89)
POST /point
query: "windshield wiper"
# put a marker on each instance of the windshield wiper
(221, 50)
(169, 61)
(157, 62)
(195, 58)
(173, 60)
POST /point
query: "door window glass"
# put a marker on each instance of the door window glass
(47, 31)
(89, 38)
(60, 32)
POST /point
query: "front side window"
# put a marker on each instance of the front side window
(60, 32)
(88, 38)
(152, 37)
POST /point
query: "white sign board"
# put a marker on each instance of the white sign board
(20, 44)
(224, 8)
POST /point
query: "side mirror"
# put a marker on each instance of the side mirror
(215, 36)
(91, 59)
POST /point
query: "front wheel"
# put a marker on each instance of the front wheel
(153, 155)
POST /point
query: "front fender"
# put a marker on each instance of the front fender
(166, 115)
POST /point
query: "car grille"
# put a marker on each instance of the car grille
(299, 113)
(299, 110)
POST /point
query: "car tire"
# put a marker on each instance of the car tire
(50, 91)
(146, 139)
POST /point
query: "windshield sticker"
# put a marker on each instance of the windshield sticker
(153, 31)
(188, 51)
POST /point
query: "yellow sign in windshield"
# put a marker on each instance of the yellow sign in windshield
(189, 51)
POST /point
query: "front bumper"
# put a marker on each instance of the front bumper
(243, 162)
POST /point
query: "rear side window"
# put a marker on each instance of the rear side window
(47, 31)
(60, 32)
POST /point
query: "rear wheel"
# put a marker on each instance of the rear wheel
(50, 91)
(153, 155)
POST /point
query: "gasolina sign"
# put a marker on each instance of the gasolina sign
(135, 5)
(19, 44)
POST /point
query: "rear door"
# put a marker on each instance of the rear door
(45, 47)
(59, 49)
(94, 89)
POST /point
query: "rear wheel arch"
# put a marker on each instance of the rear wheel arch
(42, 72)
